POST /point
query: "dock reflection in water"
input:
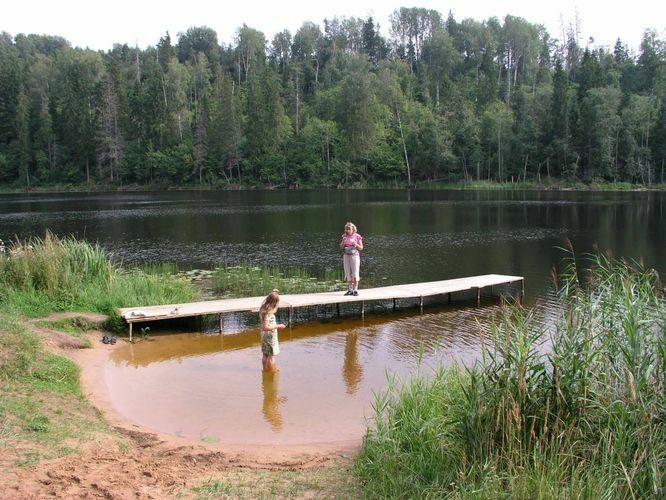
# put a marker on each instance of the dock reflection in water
(211, 386)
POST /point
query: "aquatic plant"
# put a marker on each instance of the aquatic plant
(247, 280)
(582, 416)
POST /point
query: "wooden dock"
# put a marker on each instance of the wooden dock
(249, 304)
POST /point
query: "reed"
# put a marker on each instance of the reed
(584, 415)
(247, 280)
(48, 274)
(53, 265)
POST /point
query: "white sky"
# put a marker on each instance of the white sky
(98, 25)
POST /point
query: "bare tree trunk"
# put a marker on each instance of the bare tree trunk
(499, 156)
(52, 150)
(298, 112)
(515, 73)
(164, 94)
(317, 73)
(647, 145)
(617, 140)
(525, 168)
(328, 155)
(404, 147)
(137, 65)
(508, 77)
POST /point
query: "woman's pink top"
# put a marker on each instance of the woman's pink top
(348, 243)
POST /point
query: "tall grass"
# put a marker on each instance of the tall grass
(48, 274)
(246, 280)
(52, 265)
(587, 418)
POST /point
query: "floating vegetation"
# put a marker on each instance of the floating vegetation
(246, 280)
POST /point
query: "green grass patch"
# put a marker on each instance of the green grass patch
(413, 448)
(210, 439)
(334, 482)
(42, 409)
(75, 327)
(213, 489)
(246, 280)
(44, 415)
(585, 417)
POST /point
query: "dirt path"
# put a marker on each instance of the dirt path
(131, 462)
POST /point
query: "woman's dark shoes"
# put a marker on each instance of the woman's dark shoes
(355, 293)
(349, 292)
(105, 339)
(112, 340)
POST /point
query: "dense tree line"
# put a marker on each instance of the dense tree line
(335, 106)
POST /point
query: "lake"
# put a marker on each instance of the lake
(206, 386)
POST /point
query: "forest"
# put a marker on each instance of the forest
(334, 105)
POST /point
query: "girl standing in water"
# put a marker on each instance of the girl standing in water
(351, 244)
(269, 330)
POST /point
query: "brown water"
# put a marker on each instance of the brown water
(212, 386)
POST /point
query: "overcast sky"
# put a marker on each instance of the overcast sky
(98, 25)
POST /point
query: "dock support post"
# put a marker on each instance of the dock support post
(130, 332)
(363, 309)
(522, 290)
(421, 303)
(394, 304)
(221, 324)
(291, 314)
(337, 307)
(449, 294)
(478, 296)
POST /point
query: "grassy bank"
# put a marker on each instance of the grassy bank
(43, 411)
(586, 420)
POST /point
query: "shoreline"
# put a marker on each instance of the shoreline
(454, 186)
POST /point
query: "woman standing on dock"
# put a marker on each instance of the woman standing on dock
(269, 330)
(351, 244)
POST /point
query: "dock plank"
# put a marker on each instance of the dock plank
(248, 304)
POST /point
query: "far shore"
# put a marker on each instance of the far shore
(458, 186)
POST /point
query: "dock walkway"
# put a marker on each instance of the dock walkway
(248, 304)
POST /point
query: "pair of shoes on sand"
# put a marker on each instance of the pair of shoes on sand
(350, 292)
(109, 340)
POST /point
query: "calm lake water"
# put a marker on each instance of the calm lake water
(202, 385)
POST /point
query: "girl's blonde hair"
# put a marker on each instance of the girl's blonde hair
(270, 303)
(352, 226)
